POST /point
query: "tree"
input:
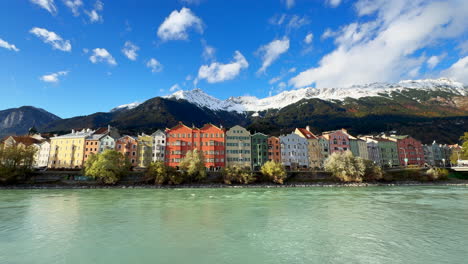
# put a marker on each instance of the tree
(15, 161)
(163, 174)
(274, 171)
(372, 171)
(435, 174)
(237, 174)
(193, 165)
(345, 167)
(107, 167)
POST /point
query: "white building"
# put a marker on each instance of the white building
(294, 151)
(159, 145)
(106, 142)
(41, 157)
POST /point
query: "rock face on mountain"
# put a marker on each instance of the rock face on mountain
(17, 121)
(426, 109)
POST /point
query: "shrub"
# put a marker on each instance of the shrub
(237, 174)
(435, 174)
(107, 167)
(345, 167)
(15, 161)
(193, 165)
(275, 171)
(163, 174)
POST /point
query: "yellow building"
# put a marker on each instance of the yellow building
(67, 151)
(145, 148)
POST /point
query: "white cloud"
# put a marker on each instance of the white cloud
(290, 22)
(414, 72)
(328, 33)
(174, 88)
(95, 14)
(434, 60)
(74, 6)
(102, 55)
(176, 25)
(130, 50)
(281, 76)
(208, 51)
(154, 65)
(271, 51)
(48, 5)
(333, 3)
(53, 77)
(292, 70)
(51, 38)
(289, 3)
(384, 49)
(463, 47)
(308, 38)
(458, 71)
(217, 72)
(6, 45)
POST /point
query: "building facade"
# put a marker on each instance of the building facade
(106, 142)
(41, 157)
(338, 140)
(259, 150)
(313, 146)
(145, 150)
(274, 149)
(92, 145)
(159, 146)
(388, 153)
(128, 146)
(67, 151)
(238, 147)
(410, 150)
(294, 151)
(373, 151)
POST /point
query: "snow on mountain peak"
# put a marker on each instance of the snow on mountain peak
(125, 107)
(251, 103)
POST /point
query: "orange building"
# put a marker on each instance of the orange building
(92, 145)
(209, 139)
(128, 146)
(274, 149)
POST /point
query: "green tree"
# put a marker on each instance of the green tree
(372, 172)
(15, 161)
(237, 174)
(275, 171)
(193, 165)
(107, 167)
(435, 174)
(163, 174)
(345, 167)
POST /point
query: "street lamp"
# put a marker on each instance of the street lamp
(443, 162)
(406, 159)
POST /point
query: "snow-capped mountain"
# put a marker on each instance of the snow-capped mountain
(125, 107)
(250, 103)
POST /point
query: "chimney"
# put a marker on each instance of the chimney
(308, 128)
(73, 131)
(108, 128)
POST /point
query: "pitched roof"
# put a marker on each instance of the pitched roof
(26, 140)
(307, 134)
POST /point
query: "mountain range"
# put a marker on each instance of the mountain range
(431, 109)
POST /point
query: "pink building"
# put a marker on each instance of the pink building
(410, 149)
(338, 139)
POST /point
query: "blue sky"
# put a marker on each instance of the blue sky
(67, 56)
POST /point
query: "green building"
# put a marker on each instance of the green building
(259, 150)
(388, 152)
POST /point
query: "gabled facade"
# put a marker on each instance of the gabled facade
(41, 158)
(128, 146)
(259, 150)
(106, 142)
(314, 147)
(209, 139)
(294, 151)
(373, 150)
(274, 149)
(159, 146)
(92, 145)
(238, 147)
(338, 140)
(145, 150)
(68, 151)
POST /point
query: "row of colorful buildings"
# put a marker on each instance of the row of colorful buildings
(222, 147)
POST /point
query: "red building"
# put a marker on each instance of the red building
(410, 149)
(338, 139)
(209, 139)
(274, 149)
(128, 146)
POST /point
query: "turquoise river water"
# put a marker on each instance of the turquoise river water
(278, 225)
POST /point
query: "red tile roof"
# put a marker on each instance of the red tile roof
(307, 134)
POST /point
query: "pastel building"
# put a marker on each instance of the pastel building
(159, 146)
(325, 149)
(314, 147)
(209, 139)
(145, 150)
(294, 151)
(274, 149)
(259, 150)
(92, 145)
(41, 157)
(388, 152)
(338, 140)
(106, 142)
(373, 151)
(238, 147)
(410, 150)
(128, 146)
(67, 151)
